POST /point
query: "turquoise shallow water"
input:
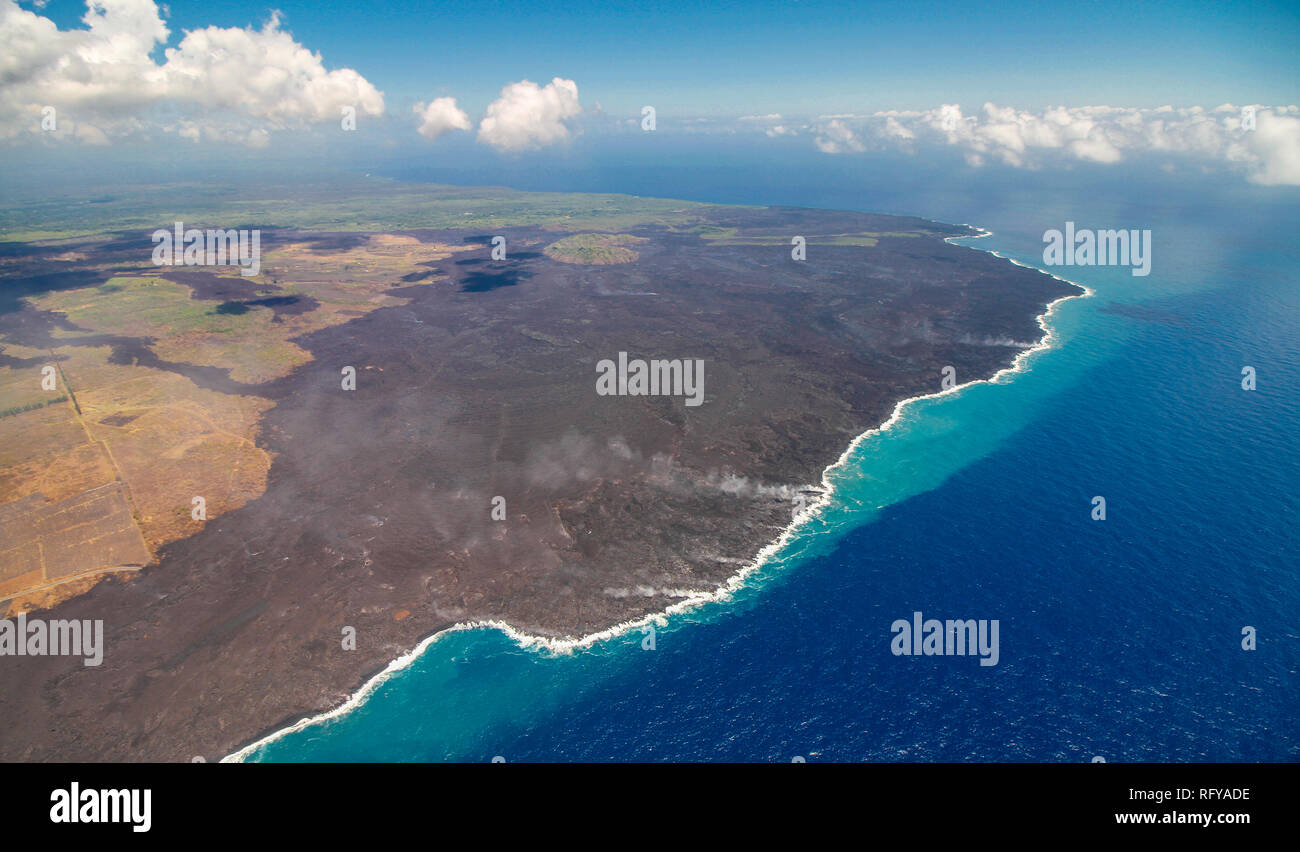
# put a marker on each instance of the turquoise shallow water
(1118, 638)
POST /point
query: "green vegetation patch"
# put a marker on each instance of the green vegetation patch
(32, 406)
(350, 204)
(595, 249)
(145, 307)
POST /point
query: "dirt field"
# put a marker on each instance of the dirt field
(103, 470)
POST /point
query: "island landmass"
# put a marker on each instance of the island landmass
(471, 472)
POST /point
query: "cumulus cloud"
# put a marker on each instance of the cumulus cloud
(836, 137)
(1262, 141)
(440, 116)
(530, 116)
(772, 125)
(1276, 144)
(228, 84)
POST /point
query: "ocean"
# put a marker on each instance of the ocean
(1120, 639)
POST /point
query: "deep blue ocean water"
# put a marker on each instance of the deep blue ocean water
(1119, 639)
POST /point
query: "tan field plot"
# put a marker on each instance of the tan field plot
(100, 472)
(85, 492)
(52, 541)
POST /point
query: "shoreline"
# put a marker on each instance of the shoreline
(690, 599)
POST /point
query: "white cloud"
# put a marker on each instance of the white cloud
(772, 125)
(440, 116)
(229, 84)
(530, 116)
(264, 74)
(836, 137)
(893, 128)
(1268, 154)
(1276, 144)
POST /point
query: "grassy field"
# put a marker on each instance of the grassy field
(183, 330)
(143, 307)
(351, 204)
(595, 249)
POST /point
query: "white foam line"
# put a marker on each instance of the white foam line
(691, 599)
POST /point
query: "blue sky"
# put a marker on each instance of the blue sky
(796, 57)
(1184, 86)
